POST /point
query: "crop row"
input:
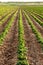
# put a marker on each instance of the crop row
(5, 18)
(3, 35)
(37, 20)
(35, 31)
(22, 59)
(38, 15)
(5, 15)
(4, 22)
(4, 9)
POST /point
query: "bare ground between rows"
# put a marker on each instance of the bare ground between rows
(34, 49)
(39, 17)
(3, 26)
(38, 27)
(8, 51)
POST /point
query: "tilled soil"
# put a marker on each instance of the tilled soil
(39, 17)
(34, 53)
(39, 28)
(8, 51)
(2, 26)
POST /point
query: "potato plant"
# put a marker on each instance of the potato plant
(22, 59)
(3, 35)
(37, 34)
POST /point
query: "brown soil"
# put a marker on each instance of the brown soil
(3, 26)
(40, 29)
(34, 49)
(8, 51)
(39, 17)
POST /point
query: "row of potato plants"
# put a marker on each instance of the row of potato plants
(5, 15)
(41, 16)
(3, 35)
(4, 9)
(22, 59)
(34, 29)
(37, 20)
(5, 18)
(4, 22)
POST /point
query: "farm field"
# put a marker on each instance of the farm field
(21, 35)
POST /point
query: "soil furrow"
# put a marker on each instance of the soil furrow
(34, 50)
(2, 26)
(39, 17)
(8, 51)
(39, 28)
